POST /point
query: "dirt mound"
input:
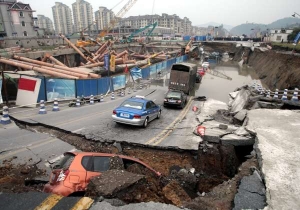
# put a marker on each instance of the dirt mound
(19, 178)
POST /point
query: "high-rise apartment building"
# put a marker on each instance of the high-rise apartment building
(82, 15)
(16, 19)
(62, 17)
(174, 22)
(45, 23)
(103, 18)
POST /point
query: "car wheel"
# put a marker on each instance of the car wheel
(158, 114)
(145, 122)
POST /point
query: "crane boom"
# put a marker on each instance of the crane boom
(120, 14)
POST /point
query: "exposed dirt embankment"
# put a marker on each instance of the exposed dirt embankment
(275, 69)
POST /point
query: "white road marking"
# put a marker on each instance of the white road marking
(75, 131)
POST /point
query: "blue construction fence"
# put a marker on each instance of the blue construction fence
(69, 89)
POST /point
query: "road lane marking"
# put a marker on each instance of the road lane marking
(49, 202)
(83, 203)
(38, 144)
(167, 129)
(170, 131)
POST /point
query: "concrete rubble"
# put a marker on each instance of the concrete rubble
(251, 193)
(276, 147)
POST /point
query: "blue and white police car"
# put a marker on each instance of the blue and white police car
(136, 111)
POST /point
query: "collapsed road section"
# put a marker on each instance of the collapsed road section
(206, 178)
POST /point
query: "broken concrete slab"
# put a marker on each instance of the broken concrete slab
(112, 181)
(251, 193)
(232, 139)
(240, 101)
(241, 115)
(135, 206)
(269, 105)
(216, 125)
(213, 135)
(234, 94)
(209, 108)
(241, 131)
(278, 153)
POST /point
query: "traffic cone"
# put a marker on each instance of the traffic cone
(284, 97)
(134, 88)
(101, 98)
(91, 100)
(5, 117)
(201, 130)
(295, 95)
(112, 96)
(55, 105)
(77, 102)
(129, 91)
(122, 93)
(42, 107)
(275, 94)
(141, 86)
(195, 108)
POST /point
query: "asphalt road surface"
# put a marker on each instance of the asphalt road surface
(174, 128)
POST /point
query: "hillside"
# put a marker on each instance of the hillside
(281, 23)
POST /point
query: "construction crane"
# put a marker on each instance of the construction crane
(119, 15)
(153, 25)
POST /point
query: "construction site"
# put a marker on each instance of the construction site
(232, 145)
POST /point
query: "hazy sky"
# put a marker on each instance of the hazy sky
(230, 12)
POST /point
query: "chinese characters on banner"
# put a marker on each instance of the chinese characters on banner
(112, 63)
(106, 61)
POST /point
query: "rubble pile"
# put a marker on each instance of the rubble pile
(19, 178)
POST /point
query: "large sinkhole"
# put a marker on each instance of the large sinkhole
(186, 176)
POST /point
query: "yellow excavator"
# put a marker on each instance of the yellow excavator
(84, 39)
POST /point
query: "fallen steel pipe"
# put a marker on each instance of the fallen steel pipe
(75, 48)
(82, 76)
(42, 70)
(54, 60)
(54, 66)
(101, 48)
(122, 54)
(118, 60)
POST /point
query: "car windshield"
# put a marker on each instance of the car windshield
(133, 104)
(65, 162)
(173, 95)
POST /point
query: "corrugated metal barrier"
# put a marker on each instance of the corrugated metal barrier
(68, 89)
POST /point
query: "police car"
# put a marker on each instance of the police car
(137, 111)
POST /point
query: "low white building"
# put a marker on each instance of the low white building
(280, 35)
